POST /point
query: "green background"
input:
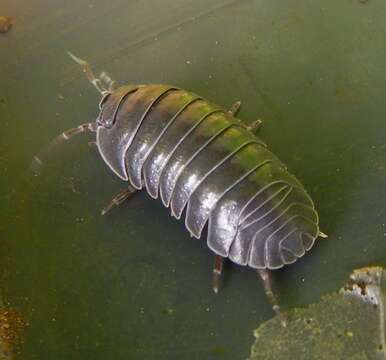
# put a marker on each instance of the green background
(133, 284)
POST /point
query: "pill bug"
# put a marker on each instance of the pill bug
(200, 159)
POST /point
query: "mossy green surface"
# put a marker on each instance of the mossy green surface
(342, 326)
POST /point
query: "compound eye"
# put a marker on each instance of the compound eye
(103, 118)
(106, 122)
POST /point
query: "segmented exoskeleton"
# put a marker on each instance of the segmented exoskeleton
(196, 156)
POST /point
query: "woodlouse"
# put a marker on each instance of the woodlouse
(199, 158)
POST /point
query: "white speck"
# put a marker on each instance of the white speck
(188, 62)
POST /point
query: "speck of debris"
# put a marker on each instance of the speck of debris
(6, 23)
(170, 311)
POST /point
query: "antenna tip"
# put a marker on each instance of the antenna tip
(75, 58)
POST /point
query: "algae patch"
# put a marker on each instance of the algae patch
(349, 324)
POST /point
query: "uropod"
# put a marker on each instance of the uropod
(203, 162)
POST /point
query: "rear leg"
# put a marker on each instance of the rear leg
(119, 199)
(266, 279)
(217, 271)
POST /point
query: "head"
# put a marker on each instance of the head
(112, 136)
(110, 96)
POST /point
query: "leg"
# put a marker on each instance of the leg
(235, 108)
(92, 144)
(255, 126)
(217, 270)
(266, 279)
(119, 199)
(39, 158)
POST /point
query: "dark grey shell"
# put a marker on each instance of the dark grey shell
(198, 158)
